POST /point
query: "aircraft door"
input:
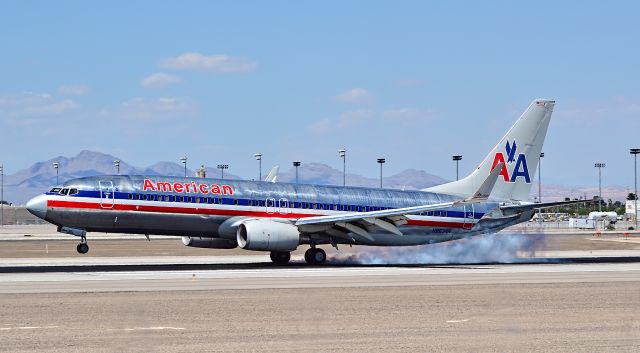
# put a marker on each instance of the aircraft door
(270, 205)
(283, 206)
(469, 216)
(107, 193)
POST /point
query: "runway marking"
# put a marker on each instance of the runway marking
(155, 328)
(27, 328)
(457, 321)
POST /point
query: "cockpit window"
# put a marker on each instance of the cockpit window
(64, 191)
(73, 192)
(55, 190)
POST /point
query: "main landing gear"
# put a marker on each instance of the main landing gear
(280, 257)
(315, 256)
(83, 247)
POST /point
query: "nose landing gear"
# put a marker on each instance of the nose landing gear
(83, 247)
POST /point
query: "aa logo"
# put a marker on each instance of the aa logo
(519, 170)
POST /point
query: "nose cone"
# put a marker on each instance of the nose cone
(38, 206)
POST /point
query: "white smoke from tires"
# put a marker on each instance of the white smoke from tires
(490, 248)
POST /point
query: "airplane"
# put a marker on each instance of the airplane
(280, 217)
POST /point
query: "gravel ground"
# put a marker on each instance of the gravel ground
(577, 317)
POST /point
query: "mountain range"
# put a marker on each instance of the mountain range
(29, 182)
(41, 176)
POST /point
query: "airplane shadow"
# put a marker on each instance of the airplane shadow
(329, 264)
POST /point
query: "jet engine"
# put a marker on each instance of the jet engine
(213, 243)
(265, 235)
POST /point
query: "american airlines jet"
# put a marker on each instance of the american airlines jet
(280, 217)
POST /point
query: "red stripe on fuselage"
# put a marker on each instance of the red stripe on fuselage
(221, 212)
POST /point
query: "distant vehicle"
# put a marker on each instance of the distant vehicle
(582, 223)
(603, 216)
(279, 217)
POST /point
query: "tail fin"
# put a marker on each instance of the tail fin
(273, 174)
(516, 155)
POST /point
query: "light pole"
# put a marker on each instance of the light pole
(540, 177)
(296, 164)
(56, 165)
(381, 161)
(117, 164)
(184, 161)
(222, 167)
(457, 158)
(1, 195)
(599, 166)
(634, 152)
(343, 155)
(259, 159)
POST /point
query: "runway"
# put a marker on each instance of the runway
(475, 308)
(269, 277)
(575, 294)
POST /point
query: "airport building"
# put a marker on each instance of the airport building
(630, 208)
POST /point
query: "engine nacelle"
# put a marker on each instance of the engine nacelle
(265, 235)
(212, 243)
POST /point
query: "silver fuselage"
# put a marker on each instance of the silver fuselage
(197, 207)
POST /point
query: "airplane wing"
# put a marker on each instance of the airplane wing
(390, 219)
(273, 174)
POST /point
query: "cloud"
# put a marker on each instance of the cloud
(406, 115)
(213, 63)
(320, 126)
(617, 110)
(24, 107)
(147, 109)
(160, 79)
(346, 120)
(354, 118)
(354, 95)
(73, 90)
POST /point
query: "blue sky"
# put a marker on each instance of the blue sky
(414, 82)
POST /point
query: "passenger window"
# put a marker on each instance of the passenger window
(235, 202)
(197, 200)
(130, 196)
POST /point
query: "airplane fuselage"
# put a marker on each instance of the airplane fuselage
(198, 207)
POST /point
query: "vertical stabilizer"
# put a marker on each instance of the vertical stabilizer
(516, 155)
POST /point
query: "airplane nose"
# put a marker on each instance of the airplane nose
(38, 206)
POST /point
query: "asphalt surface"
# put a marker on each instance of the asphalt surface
(222, 301)
(541, 317)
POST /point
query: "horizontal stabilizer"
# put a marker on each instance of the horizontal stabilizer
(485, 189)
(535, 206)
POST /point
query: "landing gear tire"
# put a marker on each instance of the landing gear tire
(315, 256)
(280, 257)
(82, 248)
